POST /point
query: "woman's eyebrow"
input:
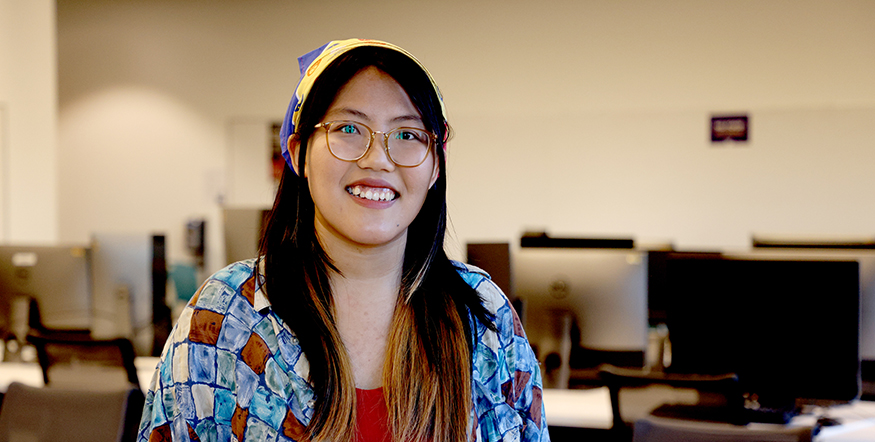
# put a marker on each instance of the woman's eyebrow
(349, 112)
(357, 114)
(407, 118)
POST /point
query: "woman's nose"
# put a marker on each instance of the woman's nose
(377, 156)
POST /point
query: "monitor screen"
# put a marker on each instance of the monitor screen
(56, 277)
(866, 258)
(788, 328)
(122, 279)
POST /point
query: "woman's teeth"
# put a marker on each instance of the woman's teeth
(373, 194)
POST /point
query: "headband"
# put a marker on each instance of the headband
(313, 63)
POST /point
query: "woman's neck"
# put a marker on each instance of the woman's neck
(365, 292)
(370, 274)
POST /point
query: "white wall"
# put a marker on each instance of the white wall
(578, 117)
(28, 122)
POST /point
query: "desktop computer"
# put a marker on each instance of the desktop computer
(788, 328)
(129, 277)
(43, 289)
(582, 307)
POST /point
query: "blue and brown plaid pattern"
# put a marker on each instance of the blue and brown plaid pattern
(232, 370)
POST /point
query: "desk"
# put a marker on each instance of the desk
(30, 373)
(591, 409)
(858, 423)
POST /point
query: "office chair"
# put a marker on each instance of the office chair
(86, 363)
(662, 407)
(654, 429)
(49, 414)
(637, 394)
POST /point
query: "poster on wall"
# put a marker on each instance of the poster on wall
(729, 128)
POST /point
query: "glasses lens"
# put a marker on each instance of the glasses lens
(408, 146)
(347, 140)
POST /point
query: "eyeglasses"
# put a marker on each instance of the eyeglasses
(350, 141)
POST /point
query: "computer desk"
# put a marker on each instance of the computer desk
(30, 373)
(591, 409)
(568, 408)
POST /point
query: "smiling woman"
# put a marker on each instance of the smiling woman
(368, 199)
(352, 324)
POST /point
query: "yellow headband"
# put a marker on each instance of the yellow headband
(313, 63)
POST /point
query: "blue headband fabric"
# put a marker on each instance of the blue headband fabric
(288, 127)
(312, 64)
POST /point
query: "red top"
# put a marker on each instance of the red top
(372, 423)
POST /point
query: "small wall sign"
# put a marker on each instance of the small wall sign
(729, 128)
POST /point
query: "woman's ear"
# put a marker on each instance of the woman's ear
(294, 143)
(436, 171)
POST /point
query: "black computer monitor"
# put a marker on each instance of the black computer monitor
(862, 251)
(788, 328)
(494, 258)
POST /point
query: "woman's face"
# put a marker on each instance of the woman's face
(375, 99)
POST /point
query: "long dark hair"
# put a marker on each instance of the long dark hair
(427, 370)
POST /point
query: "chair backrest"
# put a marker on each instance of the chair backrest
(86, 363)
(638, 394)
(673, 430)
(50, 414)
(717, 396)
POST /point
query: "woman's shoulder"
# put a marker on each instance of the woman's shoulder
(492, 297)
(225, 310)
(234, 275)
(219, 292)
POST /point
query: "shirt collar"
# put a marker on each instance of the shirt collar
(260, 301)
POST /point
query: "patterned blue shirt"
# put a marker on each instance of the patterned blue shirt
(233, 370)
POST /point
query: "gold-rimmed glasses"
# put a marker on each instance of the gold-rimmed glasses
(350, 140)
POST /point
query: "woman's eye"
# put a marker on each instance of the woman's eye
(408, 135)
(348, 129)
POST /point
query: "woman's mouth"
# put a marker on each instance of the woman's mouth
(372, 193)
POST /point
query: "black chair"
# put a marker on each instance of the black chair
(654, 429)
(86, 363)
(662, 407)
(637, 394)
(50, 414)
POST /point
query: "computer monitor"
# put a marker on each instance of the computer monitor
(56, 277)
(493, 258)
(122, 279)
(600, 292)
(863, 251)
(860, 251)
(243, 228)
(789, 328)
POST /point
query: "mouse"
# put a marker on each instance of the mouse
(826, 421)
